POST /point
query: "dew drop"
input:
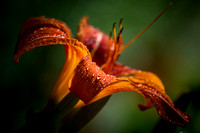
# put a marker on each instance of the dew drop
(98, 77)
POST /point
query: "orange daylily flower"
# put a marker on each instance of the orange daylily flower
(91, 72)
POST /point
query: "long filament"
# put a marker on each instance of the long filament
(138, 35)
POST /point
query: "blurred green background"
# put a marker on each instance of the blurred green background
(170, 48)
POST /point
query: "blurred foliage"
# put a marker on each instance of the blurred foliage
(170, 48)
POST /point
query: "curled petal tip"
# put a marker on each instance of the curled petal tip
(144, 107)
(40, 31)
(16, 59)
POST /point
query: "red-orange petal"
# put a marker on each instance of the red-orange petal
(145, 83)
(95, 40)
(75, 52)
(122, 70)
(153, 94)
(40, 31)
(43, 31)
(89, 80)
(40, 37)
(35, 23)
(167, 110)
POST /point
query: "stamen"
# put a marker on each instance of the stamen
(120, 23)
(114, 32)
(138, 35)
(110, 35)
(116, 44)
(120, 34)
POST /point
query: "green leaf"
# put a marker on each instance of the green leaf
(65, 105)
(48, 120)
(77, 119)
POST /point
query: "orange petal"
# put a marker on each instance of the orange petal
(154, 95)
(121, 70)
(40, 31)
(43, 31)
(150, 86)
(89, 80)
